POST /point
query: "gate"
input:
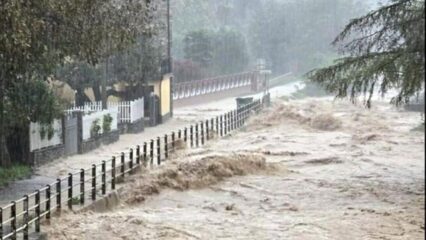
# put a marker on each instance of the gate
(71, 136)
(154, 110)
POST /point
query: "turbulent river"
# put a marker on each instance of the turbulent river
(308, 169)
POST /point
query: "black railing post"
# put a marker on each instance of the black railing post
(70, 178)
(113, 163)
(246, 113)
(138, 155)
(37, 212)
(131, 159)
(229, 121)
(48, 201)
(93, 182)
(123, 165)
(221, 125)
(82, 182)
(103, 178)
(173, 140)
(13, 217)
(145, 153)
(212, 125)
(58, 196)
(185, 135)
(191, 136)
(197, 135)
(207, 130)
(166, 147)
(243, 114)
(158, 151)
(202, 133)
(151, 152)
(235, 119)
(26, 217)
(180, 134)
(217, 126)
(225, 122)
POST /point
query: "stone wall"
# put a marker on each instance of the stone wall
(93, 143)
(46, 155)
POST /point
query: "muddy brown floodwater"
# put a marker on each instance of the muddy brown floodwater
(309, 169)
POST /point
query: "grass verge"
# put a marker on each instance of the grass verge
(15, 172)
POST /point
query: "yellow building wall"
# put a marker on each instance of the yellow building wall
(165, 95)
(162, 89)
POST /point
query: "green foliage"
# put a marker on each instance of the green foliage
(95, 128)
(199, 47)
(50, 132)
(106, 123)
(230, 53)
(383, 50)
(295, 35)
(47, 129)
(15, 172)
(31, 101)
(79, 74)
(218, 52)
(38, 36)
(42, 133)
(289, 35)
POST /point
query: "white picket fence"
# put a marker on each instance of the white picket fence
(128, 111)
(36, 140)
(86, 108)
(137, 110)
(89, 119)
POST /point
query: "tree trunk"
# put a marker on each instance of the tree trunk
(18, 145)
(4, 157)
(81, 97)
(103, 85)
(97, 91)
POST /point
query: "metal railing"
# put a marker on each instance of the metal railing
(200, 87)
(77, 189)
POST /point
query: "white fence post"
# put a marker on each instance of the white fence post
(136, 110)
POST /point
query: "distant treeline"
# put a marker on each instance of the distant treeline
(212, 37)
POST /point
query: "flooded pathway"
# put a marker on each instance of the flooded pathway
(183, 117)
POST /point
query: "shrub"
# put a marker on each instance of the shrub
(106, 125)
(95, 128)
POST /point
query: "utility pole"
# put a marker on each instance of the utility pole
(169, 56)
